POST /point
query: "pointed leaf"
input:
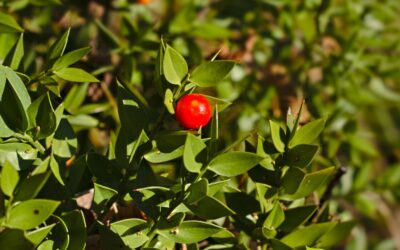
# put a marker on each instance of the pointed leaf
(197, 191)
(275, 218)
(308, 133)
(312, 181)
(132, 232)
(210, 208)
(55, 168)
(192, 149)
(9, 179)
(292, 179)
(191, 232)
(8, 24)
(169, 101)
(103, 193)
(38, 235)
(336, 235)
(18, 87)
(75, 222)
(31, 186)
(175, 67)
(57, 48)
(3, 81)
(15, 55)
(301, 155)
(234, 163)
(75, 75)
(296, 216)
(157, 156)
(211, 73)
(29, 214)
(70, 58)
(276, 136)
(308, 235)
(41, 115)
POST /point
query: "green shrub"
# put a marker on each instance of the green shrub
(93, 157)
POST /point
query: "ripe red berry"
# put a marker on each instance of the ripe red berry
(144, 2)
(193, 111)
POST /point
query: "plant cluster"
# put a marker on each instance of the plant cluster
(181, 124)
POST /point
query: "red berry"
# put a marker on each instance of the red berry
(144, 2)
(193, 111)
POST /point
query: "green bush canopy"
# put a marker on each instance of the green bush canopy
(302, 150)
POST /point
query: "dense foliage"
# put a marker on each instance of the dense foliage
(301, 152)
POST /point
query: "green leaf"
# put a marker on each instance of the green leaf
(14, 239)
(75, 75)
(221, 103)
(30, 187)
(19, 155)
(46, 245)
(311, 182)
(75, 97)
(336, 235)
(64, 143)
(292, 179)
(8, 24)
(308, 133)
(296, 216)
(156, 156)
(197, 191)
(169, 101)
(171, 222)
(39, 235)
(234, 163)
(275, 218)
(30, 214)
(55, 168)
(131, 127)
(15, 55)
(75, 222)
(51, 84)
(175, 67)
(210, 208)
(70, 58)
(15, 94)
(18, 86)
(60, 234)
(211, 73)
(308, 235)
(45, 2)
(3, 81)
(215, 187)
(225, 236)
(132, 231)
(58, 47)
(301, 155)
(80, 122)
(276, 136)
(9, 179)
(42, 117)
(191, 232)
(193, 148)
(102, 195)
(279, 245)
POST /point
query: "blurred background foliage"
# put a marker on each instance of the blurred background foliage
(341, 56)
